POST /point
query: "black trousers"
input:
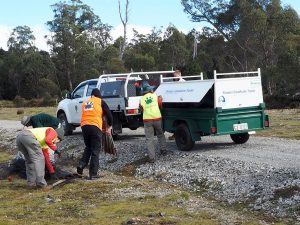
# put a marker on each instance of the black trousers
(92, 136)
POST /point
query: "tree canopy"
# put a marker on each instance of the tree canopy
(237, 35)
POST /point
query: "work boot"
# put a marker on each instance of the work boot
(94, 177)
(45, 187)
(79, 171)
(31, 187)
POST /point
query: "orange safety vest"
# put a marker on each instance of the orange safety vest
(92, 112)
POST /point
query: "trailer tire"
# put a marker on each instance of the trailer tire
(240, 138)
(68, 128)
(183, 138)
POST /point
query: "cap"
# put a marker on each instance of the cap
(60, 133)
(146, 87)
(25, 120)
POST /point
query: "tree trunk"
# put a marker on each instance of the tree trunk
(124, 22)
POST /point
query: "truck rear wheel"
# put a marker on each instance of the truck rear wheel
(68, 128)
(183, 138)
(240, 138)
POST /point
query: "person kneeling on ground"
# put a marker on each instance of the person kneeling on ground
(40, 120)
(31, 142)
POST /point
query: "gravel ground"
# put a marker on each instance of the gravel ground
(261, 175)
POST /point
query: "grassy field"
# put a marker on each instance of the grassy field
(114, 200)
(17, 113)
(283, 123)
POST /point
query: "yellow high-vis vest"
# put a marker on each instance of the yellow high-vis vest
(149, 102)
(40, 135)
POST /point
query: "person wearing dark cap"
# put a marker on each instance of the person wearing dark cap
(93, 110)
(151, 104)
(31, 142)
(40, 120)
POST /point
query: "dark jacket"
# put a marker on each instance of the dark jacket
(44, 120)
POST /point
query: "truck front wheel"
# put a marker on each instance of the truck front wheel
(240, 138)
(183, 138)
(68, 128)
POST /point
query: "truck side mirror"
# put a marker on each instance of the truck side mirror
(68, 95)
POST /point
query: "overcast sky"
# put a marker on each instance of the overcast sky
(143, 16)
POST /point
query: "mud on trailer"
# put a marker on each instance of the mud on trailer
(230, 104)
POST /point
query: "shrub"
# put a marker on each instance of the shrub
(280, 102)
(19, 101)
(20, 111)
(48, 100)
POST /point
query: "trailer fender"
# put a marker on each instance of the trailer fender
(192, 126)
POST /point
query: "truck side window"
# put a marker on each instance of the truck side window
(78, 93)
(114, 89)
(90, 88)
(131, 88)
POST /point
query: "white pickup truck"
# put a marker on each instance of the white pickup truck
(121, 92)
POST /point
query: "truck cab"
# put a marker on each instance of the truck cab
(122, 94)
(69, 109)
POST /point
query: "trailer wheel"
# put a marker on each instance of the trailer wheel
(183, 138)
(240, 138)
(68, 128)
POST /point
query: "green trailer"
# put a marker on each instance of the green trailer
(230, 104)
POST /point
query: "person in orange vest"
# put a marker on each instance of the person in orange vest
(93, 109)
(31, 142)
(151, 104)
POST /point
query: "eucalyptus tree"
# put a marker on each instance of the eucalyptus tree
(124, 20)
(21, 38)
(254, 31)
(38, 70)
(19, 43)
(174, 51)
(77, 36)
(142, 52)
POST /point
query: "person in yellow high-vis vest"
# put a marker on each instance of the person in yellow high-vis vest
(31, 142)
(150, 104)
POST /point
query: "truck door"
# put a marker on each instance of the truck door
(78, 97)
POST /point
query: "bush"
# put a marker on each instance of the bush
(20, 111)
(48, 100)
(280, 102)
(19, 101)
(42, 102)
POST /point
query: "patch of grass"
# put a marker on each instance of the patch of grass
(5, 156)
(102, 202)
(12, 113)
(148, 211)
(286, 192)
(6, 104)
(128, 170)
(284, 123)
